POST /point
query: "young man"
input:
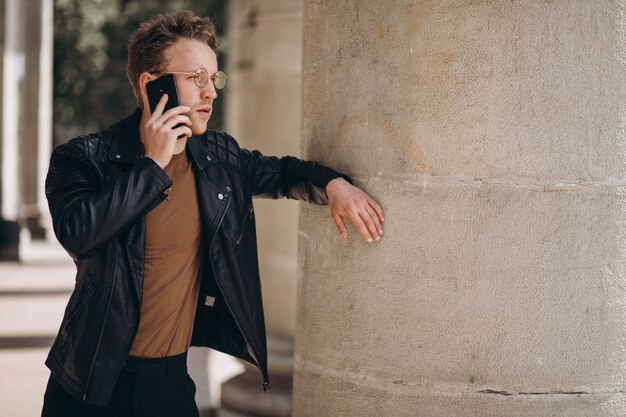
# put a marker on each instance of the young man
(163, 235)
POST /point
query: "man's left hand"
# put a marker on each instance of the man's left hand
(346, 200)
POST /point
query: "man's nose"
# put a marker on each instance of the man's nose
(209, 91)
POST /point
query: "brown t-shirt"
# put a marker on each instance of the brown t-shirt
(172, 268)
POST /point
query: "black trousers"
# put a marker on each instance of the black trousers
(154, 387)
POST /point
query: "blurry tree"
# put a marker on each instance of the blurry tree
(91, 90)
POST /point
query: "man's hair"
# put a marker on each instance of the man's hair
(147, 45)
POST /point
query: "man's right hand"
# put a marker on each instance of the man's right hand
(159, 134)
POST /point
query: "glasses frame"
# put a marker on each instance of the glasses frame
(220, 75)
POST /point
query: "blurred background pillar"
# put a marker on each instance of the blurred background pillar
(263, 112)
(35, 110)
(26, 121)
(493, 133)
(12, 73)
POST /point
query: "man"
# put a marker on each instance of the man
(163, 235)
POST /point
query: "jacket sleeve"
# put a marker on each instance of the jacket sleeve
(85, 213)
(289, 177)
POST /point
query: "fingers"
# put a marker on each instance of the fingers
(374, 217)
(174, 126)
(367, 227)
(172, 122)
(158, 110)
(341, 227)
(379, 211)
(346, 200)
(182, 130)
(364, 224)
(361, 227)
(158, 118)
(160, 133)
(175, 111)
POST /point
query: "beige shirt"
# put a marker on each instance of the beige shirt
(172, 268)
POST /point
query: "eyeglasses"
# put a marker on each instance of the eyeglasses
(201, 77)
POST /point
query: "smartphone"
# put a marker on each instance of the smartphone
(163, 85)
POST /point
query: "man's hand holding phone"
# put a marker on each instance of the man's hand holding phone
(160, 132)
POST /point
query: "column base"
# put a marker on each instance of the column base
(198, 364)
(9, 240)
(37, 231)
(230, 413)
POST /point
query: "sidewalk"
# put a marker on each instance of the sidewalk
(33, 295)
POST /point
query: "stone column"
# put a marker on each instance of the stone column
(12, 74)
(493, 133)
(263, 112)
(44, 118)
(31, 25)
(26, 121)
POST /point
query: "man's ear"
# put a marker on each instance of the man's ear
(144, 79)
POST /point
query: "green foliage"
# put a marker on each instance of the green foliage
(91, 90)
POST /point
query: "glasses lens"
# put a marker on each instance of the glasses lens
(201, 77)
(219, 80)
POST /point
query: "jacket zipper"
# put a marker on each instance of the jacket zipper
(243, 224)
(266, 385)
(165, 195)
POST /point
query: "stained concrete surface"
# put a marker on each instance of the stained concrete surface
(492, 134)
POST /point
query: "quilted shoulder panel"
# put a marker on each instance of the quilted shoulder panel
(224, 147)
(92, 148)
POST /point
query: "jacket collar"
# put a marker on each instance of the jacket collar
(199, 151)
(126, 146)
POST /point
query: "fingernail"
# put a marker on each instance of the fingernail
(369, 240)
(377, 238)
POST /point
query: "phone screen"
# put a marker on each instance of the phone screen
(160, 86)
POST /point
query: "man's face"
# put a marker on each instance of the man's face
(187, 55)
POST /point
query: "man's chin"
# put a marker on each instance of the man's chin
(198, 130)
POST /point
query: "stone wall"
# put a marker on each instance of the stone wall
(493, 134)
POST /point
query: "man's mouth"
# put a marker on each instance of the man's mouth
(205, 111)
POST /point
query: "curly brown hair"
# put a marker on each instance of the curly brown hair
(147, 45)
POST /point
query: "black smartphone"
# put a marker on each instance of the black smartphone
(163, 85)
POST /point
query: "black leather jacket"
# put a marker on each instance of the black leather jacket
(99, 189)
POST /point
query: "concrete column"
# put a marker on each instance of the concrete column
(12, 74)
(263, 112)
(493, 134)
(44, 117)
(26, 121)
(31, 25)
